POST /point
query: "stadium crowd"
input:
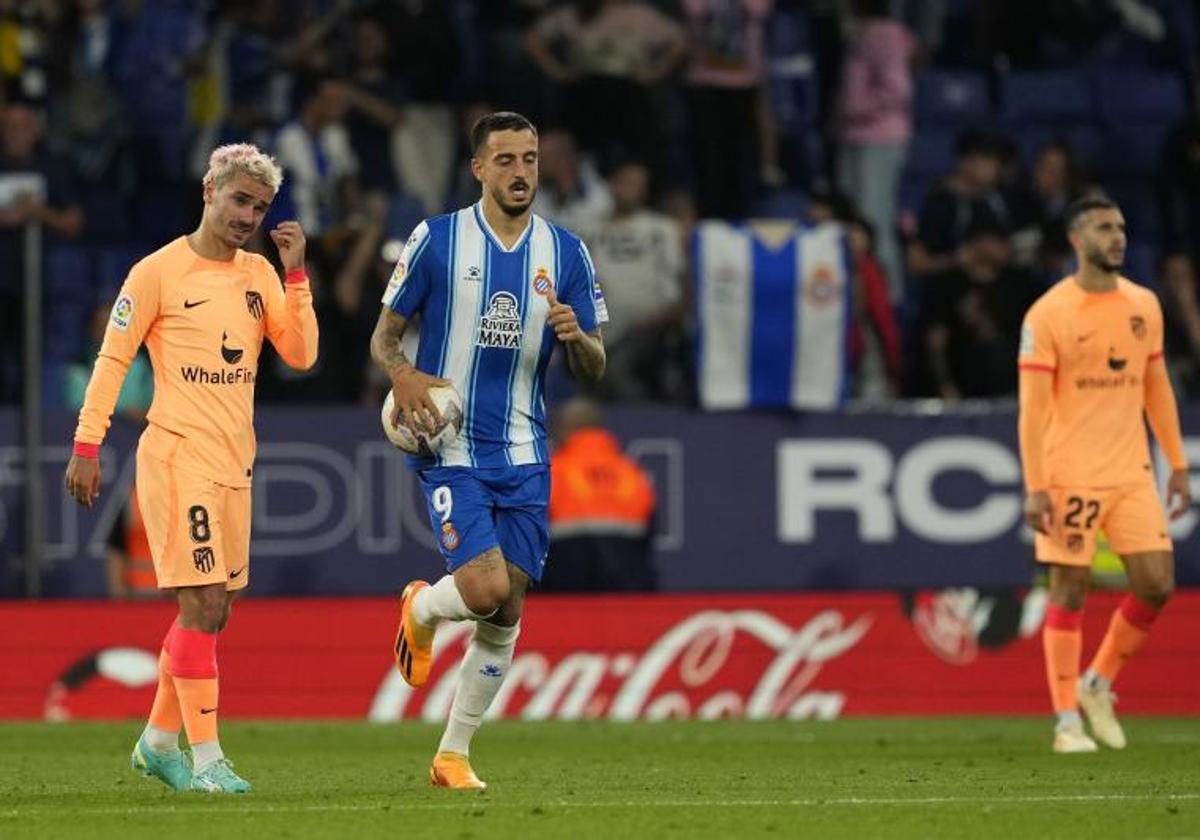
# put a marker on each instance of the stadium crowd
(948, 135)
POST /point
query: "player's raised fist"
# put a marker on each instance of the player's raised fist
(561, 318)
(289, 239)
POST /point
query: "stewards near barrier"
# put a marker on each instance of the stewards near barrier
(601, 509)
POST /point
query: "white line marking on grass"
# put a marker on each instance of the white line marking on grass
(469, 804)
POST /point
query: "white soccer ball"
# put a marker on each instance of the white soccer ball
(448, 402)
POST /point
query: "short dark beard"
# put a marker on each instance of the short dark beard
(513, 210)
(1097, 259)
(1104, 265)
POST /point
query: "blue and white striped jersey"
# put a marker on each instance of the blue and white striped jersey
(483, 325)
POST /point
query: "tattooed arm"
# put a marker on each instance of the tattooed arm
(410, 387)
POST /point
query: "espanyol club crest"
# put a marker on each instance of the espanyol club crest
(821, 286)
(542, 283)
(449, 537)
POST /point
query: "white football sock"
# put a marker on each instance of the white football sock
(442, 601)
(205, 753)
(483, 670)
(160, 740)
(1068, 719)
(1094, 681)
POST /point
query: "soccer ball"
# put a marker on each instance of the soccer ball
(448, 402)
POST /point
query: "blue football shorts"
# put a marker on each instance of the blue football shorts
(474, 510)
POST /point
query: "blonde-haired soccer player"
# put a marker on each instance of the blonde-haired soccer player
(202, 306)
(1092, 371)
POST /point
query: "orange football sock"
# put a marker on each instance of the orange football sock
(165, 714)
(194, 665)
(1127, 632)
(1062, 642)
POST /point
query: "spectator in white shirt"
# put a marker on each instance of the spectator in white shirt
(314, 150)
(638, 254)
(571, 192)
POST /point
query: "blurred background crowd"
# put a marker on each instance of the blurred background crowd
(947, 135)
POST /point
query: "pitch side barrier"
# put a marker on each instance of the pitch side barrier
(637, 657)
(909, 499)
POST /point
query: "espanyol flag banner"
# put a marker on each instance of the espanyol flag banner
(774, 306)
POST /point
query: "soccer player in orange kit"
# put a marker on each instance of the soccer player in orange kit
(202, 306)
(1091, 371)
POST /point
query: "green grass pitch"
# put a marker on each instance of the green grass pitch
(947, 777)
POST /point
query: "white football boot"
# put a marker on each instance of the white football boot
(1097, 706)
(1072, 739)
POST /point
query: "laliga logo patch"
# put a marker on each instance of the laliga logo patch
(541, 282)
(449, 536)
(397, 278)
(1026, 348)
(122, 312)
(599, 303)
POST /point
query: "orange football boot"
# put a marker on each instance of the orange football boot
(414, 641)
(453, 770)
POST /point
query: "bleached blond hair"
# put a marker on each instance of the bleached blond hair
(232, 158)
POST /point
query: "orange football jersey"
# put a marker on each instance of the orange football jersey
(203, 322)
(1097, 346)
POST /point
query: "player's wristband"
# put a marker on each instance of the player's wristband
(295, 275)
(87, 450)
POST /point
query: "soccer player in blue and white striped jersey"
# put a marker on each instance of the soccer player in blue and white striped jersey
(495, 288)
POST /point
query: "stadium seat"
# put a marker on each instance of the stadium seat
(1141, 96)
(792, 85)
(1139, 205)
(1141, 264)
(781, 204)
(1047, 97)
(66, 333)
(788, 34)
(68, 272)
(912, 193)
(54, 374)
(404, 214)
(159, 216)
(107, 213)
(112, 266)
(948, 97)
(1133, 150)
(1086, 141)
(791, 74)
(932, 153)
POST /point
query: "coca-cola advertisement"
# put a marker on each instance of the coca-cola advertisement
(617, 658)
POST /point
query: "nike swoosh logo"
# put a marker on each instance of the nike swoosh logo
(232, 575)
(1086, 337)
(205, 711)
(188, 304)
